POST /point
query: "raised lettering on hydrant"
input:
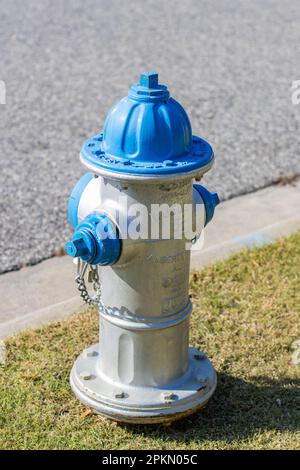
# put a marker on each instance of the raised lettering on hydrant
(136, 215)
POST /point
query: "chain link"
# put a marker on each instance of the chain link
(93, 276)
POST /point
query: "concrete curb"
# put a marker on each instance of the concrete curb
(37, 295)
(251, 220)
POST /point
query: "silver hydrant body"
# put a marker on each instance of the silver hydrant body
(143, 369)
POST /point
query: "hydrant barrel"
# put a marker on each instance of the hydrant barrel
(129, 214)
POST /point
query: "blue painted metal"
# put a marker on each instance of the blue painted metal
(75, 198)
(211, 200)
(95, 241)
(147, 133)
(148, 89)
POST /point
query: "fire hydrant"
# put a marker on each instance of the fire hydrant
(143, 369)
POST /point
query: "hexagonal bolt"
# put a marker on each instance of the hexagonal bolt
(75, 247)
(85, 375)
(169, 397)
(199, 356)
(121, 395)
(202, 380)
(91, 353)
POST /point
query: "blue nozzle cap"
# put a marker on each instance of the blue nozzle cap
(95, 241)
(211, 200)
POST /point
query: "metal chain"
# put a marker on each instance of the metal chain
(93, 276)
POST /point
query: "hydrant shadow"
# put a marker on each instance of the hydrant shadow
(238, 410)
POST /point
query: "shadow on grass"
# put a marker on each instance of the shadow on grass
(238, 410)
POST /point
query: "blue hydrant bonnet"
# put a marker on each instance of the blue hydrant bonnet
(147, 133)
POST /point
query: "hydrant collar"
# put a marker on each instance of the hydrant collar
(200, 158)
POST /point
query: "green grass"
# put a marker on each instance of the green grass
(246, 315)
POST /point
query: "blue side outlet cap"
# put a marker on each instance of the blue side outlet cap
(75, 198)
(95, 241)
(211, 200)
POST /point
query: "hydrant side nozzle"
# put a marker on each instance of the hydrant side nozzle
(75, 196)
(95, 241)
(210, 200)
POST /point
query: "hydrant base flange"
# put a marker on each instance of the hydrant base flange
(143, 404)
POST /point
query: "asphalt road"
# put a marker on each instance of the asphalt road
(64, 63)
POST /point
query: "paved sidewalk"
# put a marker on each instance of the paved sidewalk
(230, 63)
(46, 292)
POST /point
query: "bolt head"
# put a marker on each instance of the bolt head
(169, 397)
(76, 247)
(199, 356)
(121, 395)
(85, 375)
(91, 353)
(201, 379)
